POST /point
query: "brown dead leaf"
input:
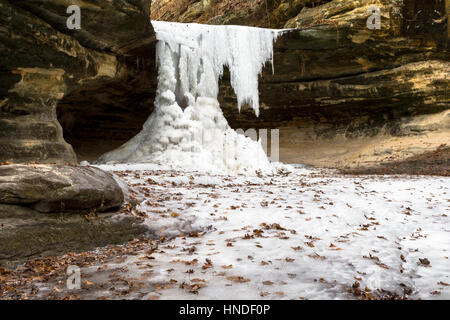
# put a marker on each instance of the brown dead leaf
(290, 259)
(88, 283)
(207, 264)
(238, 279)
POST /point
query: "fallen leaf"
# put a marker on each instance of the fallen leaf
(290, 260)
(238, 279)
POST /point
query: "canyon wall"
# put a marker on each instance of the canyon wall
(341, 95)
(49, 70)
(55, 86)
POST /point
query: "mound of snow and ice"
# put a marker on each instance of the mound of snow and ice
(187, 128)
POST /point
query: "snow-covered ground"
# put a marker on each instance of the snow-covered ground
(303, 235)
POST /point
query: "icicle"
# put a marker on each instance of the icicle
(244, 50)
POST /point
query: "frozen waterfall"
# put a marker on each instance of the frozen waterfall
(187, 128)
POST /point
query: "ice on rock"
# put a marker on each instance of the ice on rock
(187, 128)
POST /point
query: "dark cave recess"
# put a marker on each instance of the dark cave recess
(100, 117)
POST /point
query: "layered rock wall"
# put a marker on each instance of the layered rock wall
(44, 63)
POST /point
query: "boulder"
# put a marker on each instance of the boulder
(58, 188)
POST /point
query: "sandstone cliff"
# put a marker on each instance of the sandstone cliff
(44, 65)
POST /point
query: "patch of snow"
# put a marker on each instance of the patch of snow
(307, 234)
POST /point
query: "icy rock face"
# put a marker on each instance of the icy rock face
(187, 128)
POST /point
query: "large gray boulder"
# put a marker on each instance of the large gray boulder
(58, 188)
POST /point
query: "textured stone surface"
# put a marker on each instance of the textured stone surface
(58, 188)
(262, 13)
(42, 63)
(26, 233)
